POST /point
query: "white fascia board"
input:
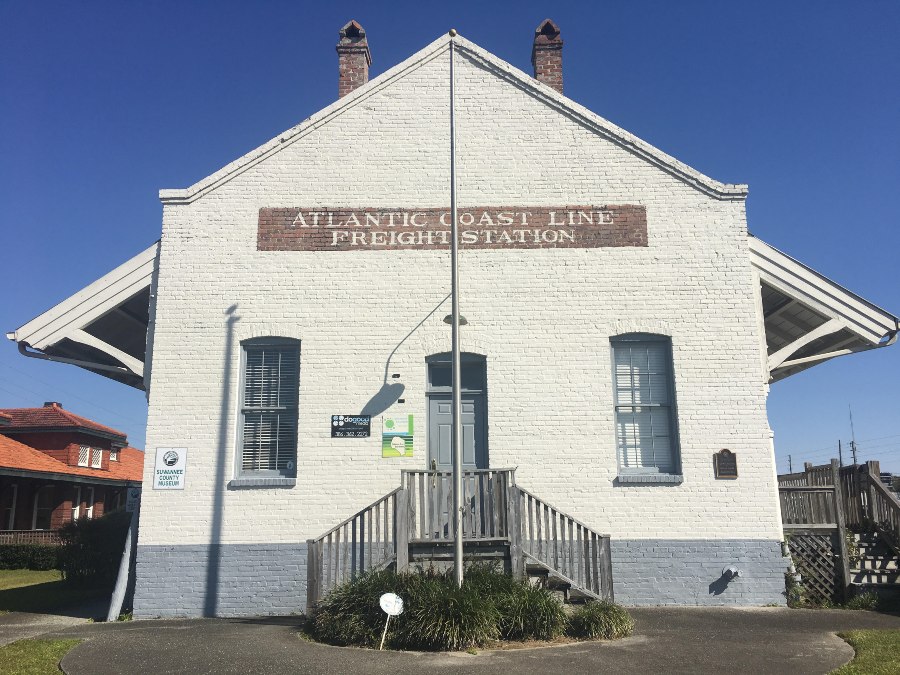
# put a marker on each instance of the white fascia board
(601, 126)
(803, 283)
(90, 303)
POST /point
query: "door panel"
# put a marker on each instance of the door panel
(474, 433)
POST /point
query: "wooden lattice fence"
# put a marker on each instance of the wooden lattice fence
(816, 556)
(814, 523)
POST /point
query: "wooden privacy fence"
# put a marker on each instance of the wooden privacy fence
(809, 506)
(495, 511)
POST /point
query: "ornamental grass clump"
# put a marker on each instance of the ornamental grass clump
(600, 621)
(439, 616)
(530, 613)
(351, 615)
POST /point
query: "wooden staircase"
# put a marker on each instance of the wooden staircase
(877, 569)
(819, 507)
(503, 523)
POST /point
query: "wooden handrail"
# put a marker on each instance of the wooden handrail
(564, 545)
(884, 509)
(368, 540)
(359, 513)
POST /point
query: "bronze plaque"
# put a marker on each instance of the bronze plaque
(725, 464)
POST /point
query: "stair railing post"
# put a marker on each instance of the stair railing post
(840, 517)
(313, 576)
(514, 526)
(401, 521)
(872, 474)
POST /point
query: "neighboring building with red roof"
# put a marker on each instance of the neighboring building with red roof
(56, 466)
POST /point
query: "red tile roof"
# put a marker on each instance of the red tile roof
(15, 455)
(51, 416)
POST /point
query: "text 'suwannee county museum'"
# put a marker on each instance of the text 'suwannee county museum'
(621, 332)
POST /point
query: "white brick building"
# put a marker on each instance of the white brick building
(589, 259)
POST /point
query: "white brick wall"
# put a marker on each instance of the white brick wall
(543, 318)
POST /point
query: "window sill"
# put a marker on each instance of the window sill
(247, 482)
(649, 479)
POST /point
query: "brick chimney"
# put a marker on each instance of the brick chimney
(353, 58)
(546, 55)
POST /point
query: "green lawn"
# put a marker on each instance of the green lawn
(38, 591)
(34, 657)
(877, 653)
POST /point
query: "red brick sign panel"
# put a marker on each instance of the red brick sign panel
(344, 229)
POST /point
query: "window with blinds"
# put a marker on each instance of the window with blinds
(644, 400)
(269, 407)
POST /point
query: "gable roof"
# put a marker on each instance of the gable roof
(20, 459)
(499, 67)
(54, 417)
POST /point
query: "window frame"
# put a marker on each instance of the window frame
(96, 458)
(84, 451)
(46, 489)
(11, 519)
(76, 505)
(648, 474)
(265, 477)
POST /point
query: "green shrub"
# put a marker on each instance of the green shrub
(600, 620)
(530, 613)
(92, 549)
(868, 600)
(29, 557)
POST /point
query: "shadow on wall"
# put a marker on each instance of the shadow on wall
(389, 393)
(211, 598)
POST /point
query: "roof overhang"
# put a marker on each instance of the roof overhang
(68, 477)
(103, 327)
(809, 318)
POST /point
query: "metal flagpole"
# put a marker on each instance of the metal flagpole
(456, 437)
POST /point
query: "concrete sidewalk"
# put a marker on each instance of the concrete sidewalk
(669, 640)
(20, 625)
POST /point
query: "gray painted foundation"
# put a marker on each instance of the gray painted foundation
(689, 572)
(223, 580)
(270, 579)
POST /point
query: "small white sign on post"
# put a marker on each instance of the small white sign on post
(392, 604)
(168, 473)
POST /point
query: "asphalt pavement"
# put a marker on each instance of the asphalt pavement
(666, 640)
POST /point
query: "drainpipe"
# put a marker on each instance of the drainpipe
(23, 350)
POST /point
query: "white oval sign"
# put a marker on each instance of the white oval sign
(392, 604)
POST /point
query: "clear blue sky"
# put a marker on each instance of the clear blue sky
(104, 103)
